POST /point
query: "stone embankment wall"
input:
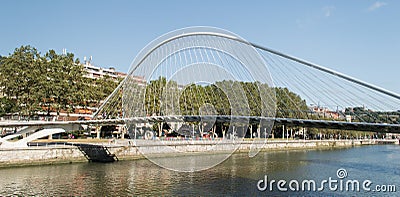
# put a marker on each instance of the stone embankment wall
(67, 154)
(40, 155)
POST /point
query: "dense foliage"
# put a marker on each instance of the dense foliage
(361, 114)
(242, 97)
(32, 83)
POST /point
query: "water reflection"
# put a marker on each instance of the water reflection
(238, 175)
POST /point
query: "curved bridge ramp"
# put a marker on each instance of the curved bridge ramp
(96, 153)
(23, 143)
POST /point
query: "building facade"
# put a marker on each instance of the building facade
(95, 72)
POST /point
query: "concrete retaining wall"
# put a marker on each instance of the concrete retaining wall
(40, 155)
(67, 154)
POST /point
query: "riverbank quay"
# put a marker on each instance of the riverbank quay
(47, 153)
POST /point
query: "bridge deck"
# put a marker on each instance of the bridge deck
(359, 126)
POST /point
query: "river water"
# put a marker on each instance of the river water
(237, 176)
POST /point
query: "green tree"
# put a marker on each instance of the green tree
(153, 96)
(100, 89)
(61, 82)
(7, 106)
(19, 78)
(289, 104)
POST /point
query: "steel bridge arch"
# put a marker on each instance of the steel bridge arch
(256, 46)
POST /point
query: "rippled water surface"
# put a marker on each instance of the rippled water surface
(237, 176)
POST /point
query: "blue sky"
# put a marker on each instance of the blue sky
(360, 37)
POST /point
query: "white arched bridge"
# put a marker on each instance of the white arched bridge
(211, 80)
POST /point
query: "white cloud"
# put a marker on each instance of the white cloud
(328, 10)
(315, 18)
(376, 5)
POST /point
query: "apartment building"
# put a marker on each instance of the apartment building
(95, 72)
